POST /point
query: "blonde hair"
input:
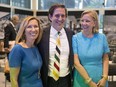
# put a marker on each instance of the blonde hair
(94, 15)
(21, 33)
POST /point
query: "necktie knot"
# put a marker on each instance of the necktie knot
(59, 33)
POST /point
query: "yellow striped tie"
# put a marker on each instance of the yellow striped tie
(56, 69)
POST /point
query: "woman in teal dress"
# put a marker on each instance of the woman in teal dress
(24, 59)
(90, 53)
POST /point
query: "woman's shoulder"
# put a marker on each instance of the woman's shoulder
(16, 50)
(78, 34)
(100, 35)
(17, 47)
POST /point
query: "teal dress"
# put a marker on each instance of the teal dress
(30, 62)
(90, 52)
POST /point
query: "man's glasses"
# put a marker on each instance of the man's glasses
(58, 15)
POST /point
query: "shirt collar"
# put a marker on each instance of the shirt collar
(12, 24)
(54, 31)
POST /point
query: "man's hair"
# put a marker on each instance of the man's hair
(55, 6)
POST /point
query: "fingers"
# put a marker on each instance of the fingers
(101, 86)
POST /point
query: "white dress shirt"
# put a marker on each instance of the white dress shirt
(64, 68)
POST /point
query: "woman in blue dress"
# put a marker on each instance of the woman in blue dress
(24, 59)
(90, 53)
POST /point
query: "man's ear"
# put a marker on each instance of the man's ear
(50, 17)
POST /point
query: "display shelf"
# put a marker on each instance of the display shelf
(110, 12)
(22, 11)
(5, 8)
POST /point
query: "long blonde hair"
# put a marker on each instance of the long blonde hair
(94, 15)
(21, 33)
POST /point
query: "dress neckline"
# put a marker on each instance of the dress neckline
(87, 37)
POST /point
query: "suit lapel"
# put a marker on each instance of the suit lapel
(68, 36)
(46, 44)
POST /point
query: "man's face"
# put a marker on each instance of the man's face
(58, 18)
(16, 21)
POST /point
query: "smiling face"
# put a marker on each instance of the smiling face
(58, 18)
(87, 23)
(32, 30)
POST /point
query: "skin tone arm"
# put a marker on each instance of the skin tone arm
(82, 71)
(102, 82)
(14, 72)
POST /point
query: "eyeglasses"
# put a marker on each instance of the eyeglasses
(58, 15)
(32, 26)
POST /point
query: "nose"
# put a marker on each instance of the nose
(60, 18)
(33, 28)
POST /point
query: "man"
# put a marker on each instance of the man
(9, 40)
(47, 47)
(10, 32)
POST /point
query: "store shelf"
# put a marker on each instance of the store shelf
(5, 9)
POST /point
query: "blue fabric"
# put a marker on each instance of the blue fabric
(30, 62)
(90, 52)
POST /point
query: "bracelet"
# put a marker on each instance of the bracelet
(105, 77)
(88, 80)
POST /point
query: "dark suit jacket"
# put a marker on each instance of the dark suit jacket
(44, 51)
(9, 34)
